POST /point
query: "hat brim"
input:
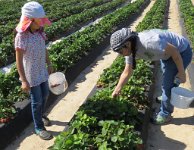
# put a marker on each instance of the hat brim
(120, 45)
(43, 22)
(25, 23)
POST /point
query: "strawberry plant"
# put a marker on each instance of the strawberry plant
(103, 107)
(117, 135)
(7, 110)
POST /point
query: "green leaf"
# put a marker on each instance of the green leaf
(120, 131)
(104, 131)
(114, 139)
(68, 142)
(103, 146)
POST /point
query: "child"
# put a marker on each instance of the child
(31, 60)
(172, 50)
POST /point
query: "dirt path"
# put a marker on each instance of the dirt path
(64, 109)
(192, 1)
(179, 134)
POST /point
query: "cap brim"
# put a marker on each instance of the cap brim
(44, 22)
(25, 23)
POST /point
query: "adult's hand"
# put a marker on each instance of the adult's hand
(172, 51)
(182, 77)
(123, 79)
(116, 93)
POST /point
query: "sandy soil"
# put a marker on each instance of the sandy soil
(63, 110)
(178, 135)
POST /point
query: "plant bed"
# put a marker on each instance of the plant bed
(144, 112)
(113, 115)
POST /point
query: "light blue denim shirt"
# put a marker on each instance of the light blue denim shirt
(151, 44)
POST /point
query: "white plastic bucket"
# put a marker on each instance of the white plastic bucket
(181, 97)
(57, 83)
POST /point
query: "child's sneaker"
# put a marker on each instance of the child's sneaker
(46, 121)
(160, 120)
(44, 134)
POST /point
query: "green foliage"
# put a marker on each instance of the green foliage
(155, 17)
(187, 11)
(103, 107)
(116, 136)
(7, 109)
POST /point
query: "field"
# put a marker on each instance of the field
(86, 116)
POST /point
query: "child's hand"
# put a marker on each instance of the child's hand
(50, 69)
(25, 86)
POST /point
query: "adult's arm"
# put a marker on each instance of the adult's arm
(172, 51)
(127, 72)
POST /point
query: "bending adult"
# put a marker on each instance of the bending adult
(171, 49)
